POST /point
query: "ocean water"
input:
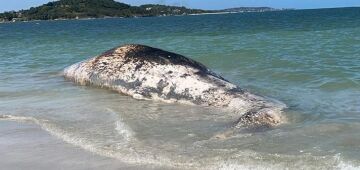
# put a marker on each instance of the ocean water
(308, 59)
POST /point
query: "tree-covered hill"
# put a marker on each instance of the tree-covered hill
(71, 9)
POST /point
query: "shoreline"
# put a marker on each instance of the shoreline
(90, 18)
(27, 146)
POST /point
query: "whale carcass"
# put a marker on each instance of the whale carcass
(145, 72)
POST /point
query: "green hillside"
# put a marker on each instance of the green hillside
(71, 9)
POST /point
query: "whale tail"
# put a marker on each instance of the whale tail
(263, 118)
(254, 120)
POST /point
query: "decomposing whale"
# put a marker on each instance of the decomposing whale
(145, 72)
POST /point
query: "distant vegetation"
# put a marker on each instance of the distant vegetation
(74, 9)
(71, 9)
(250, 9)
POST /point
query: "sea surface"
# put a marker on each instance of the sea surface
(307, 59)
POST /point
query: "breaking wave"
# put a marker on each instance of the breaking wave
(133, 153)
(129, 156)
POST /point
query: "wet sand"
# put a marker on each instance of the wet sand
(27, 146)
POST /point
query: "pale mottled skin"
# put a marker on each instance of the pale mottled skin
(148, 73)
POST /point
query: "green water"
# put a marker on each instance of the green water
(308, 59)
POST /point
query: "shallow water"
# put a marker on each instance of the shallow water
(307, 59)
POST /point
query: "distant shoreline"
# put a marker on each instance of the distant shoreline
(92, 18)
(80, 9)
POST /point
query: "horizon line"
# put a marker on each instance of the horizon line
(14, 10)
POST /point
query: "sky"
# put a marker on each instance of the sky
(8, 5)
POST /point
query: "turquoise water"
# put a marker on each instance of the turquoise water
(308, 59)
